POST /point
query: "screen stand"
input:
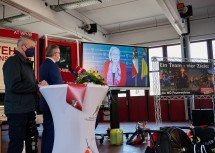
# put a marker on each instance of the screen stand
(114, 109)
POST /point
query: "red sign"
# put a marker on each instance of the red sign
(16, 33)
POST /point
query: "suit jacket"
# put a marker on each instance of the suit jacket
(123, 72)
(50, 72)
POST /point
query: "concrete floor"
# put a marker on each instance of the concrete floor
(106, 147)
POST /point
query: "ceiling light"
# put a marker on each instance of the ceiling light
(19, 17)
(74, 5)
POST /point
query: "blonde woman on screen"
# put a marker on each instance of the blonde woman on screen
(114, 71)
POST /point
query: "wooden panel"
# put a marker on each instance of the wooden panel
(123, 109)
(151, 108)
(164, 110)
(138, 109)
(177, 110)
(203, 104)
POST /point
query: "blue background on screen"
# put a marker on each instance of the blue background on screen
(95, 55)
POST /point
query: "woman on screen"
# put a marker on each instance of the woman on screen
(114, 71)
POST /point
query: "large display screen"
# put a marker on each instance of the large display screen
(185, 78)
(120, 65)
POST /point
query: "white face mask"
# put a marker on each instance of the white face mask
(57, 55)
(58, 59)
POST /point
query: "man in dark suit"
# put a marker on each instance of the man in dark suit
(50, 72)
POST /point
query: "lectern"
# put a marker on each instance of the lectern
(74, 129)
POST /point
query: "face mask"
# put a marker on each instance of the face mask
(30, 52)
(58, 59)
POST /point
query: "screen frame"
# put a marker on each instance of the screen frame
(123, 45)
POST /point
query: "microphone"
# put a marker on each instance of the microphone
(73, 71)
(80, 70)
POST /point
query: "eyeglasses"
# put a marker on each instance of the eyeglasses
(58, 53)
(29, 47)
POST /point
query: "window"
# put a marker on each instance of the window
(174, 51)
(199, 50)
(122, 93)
(154, 52)
(65, 57)
(158, 52)
(213, 48)
(137, 93)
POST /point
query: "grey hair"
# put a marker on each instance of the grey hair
(111, 50)
(50, 50)
(23, 38)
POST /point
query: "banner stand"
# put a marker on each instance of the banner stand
(186, 97)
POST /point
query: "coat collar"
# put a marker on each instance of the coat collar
(21, 57)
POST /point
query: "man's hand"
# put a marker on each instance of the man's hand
(43, 83)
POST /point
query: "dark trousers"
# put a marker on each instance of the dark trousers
(22, 127)
(48, 133)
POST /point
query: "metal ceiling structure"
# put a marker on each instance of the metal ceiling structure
(111, 16)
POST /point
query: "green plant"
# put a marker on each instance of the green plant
(90, 76)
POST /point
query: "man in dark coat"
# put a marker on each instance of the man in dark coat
(20, 97)
(50, 72)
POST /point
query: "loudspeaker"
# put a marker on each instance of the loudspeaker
(188, 12)
(92, 28)
(202, 117)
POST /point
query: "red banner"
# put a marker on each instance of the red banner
(16, 33)
(75, 95)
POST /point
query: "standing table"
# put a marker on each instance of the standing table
(74, 129)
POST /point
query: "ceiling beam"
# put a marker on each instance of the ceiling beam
(170, 10)
(62, 20)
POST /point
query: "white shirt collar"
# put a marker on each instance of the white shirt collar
(51, 59)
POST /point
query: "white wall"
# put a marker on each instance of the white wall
(200, 29)
(146, 37)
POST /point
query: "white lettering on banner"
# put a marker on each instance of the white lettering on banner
(202, 66)
(64, 70)
(191, 65)
(175, 65)
(185, 65)
(17, 32)
(163, 65)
